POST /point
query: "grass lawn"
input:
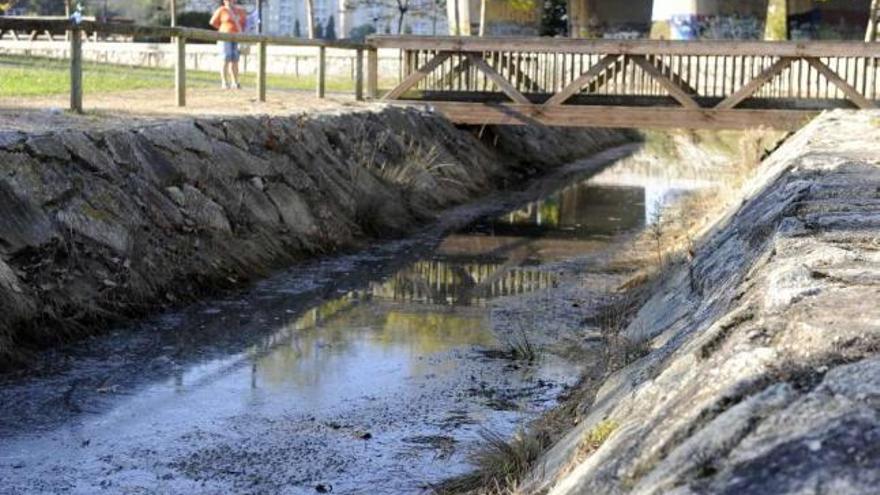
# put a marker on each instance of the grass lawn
(38, 76)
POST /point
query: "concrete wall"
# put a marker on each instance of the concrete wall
(602, 19)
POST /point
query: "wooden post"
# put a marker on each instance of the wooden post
(180, 71)
(261, 73)
(76, 104)
(372, 73)
(359, 75)
(322, 71)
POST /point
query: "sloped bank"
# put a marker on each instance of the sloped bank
(102, 224)
(763, 374)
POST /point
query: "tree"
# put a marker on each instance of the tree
(297, 30)
(310, 18)
(330, 29)
(405, 9)
(319, 30)
(361, 32)
(873, 19)
(554, 18)
(402, 9)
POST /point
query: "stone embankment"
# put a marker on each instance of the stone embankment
(763, 374)
(99, 224)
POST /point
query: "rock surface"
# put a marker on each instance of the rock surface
(764, 374)
(99, 224)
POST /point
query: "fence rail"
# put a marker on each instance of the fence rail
(630, 82)
(179, 36)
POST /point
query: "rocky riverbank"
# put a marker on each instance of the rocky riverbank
(102, 224)
(755, 363)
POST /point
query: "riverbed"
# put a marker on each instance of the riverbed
(374, 372)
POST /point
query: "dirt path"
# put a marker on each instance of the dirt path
(104, 111)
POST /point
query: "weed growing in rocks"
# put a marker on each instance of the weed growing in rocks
(655, 231)
(502, 464)
(594, 438)
(519, 346)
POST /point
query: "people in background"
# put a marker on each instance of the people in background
(229, 18)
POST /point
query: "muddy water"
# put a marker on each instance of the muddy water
(365, 373)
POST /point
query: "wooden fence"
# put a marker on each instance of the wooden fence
(179, 36)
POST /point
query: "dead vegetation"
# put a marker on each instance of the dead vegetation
(518, 346)
(419, 172)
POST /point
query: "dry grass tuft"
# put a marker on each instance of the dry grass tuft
(501, 464)
(519, 346)
(595, 438)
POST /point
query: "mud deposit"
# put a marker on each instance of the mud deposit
(369, 373)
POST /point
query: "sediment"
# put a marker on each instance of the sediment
(100, 224)
(762, 372)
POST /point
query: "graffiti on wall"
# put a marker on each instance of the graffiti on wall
(719, 27)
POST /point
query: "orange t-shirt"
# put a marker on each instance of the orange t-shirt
(224, 21)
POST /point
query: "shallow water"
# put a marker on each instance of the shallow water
(364, 373)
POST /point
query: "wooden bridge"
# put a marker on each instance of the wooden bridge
(643, 83)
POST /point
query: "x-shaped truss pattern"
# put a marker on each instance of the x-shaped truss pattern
(597, 75)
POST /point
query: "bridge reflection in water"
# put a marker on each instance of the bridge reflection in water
(438, 302)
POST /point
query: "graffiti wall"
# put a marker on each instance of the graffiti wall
(711, 19)
(831, 19)
(717, 27)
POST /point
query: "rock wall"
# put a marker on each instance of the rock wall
(102, 224)
(764, 374)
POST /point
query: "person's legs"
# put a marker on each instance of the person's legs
(229, 79)
(233, 65)
(224, 65)
(235, 83)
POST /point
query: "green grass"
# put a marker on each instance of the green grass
(22, 76)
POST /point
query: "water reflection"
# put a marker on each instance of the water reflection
(581, 210)
(433, 305)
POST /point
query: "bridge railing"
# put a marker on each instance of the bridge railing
(179, 36)
(697, 75)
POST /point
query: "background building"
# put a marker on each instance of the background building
(667, 19)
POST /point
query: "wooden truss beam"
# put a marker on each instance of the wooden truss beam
(617, 116)
(582, 80)
(755, 84)
(674, 90)
(673, 76)
(850, 92)
(416, 76)
(499, 80)
(607, 75)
